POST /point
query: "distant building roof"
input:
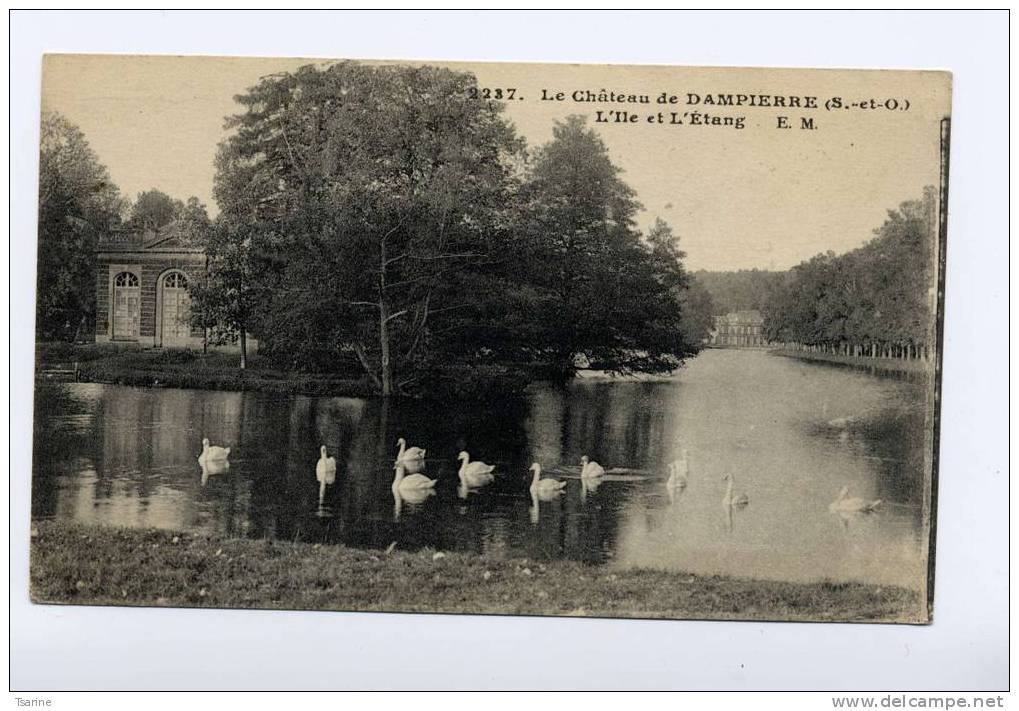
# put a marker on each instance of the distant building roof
(747, 317)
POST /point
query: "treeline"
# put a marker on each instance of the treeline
(739, 290)
(78, 203)
(875, 301)
(380, 218)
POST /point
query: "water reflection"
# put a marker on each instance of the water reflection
(126, 456)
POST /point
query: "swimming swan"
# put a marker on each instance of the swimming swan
(408, 453)
(852, 505)
(212, 467)
(212, 453)
(409, 496)
(678, 472)
(325, 472)
(411, 482)
(325, 469)
(544, 487)
(729, 500)
(475, 474)
(589, 469)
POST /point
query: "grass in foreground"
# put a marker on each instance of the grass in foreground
(98, 565)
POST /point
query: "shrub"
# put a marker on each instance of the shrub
(478, 383)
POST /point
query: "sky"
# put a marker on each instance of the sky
(759, 197)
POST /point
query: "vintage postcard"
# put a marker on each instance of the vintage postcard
(491, 338)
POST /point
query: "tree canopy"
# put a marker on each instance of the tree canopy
(77, 203)
(878, 296)
(391, 218)
(364, 188)
(740, 290)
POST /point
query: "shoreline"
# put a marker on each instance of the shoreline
(99, 565)
(879, 365)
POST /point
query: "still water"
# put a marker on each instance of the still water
(791, 433)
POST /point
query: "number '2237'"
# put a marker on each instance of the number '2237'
(486, 93)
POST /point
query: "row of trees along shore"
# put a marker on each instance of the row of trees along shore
(379, 219)
(877, 301)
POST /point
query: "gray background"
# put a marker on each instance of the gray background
(965, 648)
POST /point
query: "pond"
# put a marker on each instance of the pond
(790, 433)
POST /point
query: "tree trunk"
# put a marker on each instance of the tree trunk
(244, 348)
(386, 366)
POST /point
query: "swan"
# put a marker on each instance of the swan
(589, 469)
(212, 467)
(852, 505)
(841, 422)
(412, 482)
(409, 496)
(729, 501)
(408, 453)
(475, 474)
(544, 487)
(678, 472)
(212, 453)
(325, 472)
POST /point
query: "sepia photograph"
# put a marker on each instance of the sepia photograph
(586, 340)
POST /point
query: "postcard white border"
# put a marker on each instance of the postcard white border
(965, 648)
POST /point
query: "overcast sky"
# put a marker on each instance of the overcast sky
(757, 197)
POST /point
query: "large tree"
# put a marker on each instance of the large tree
(77, 203)
(601, 293)
(223, 302)
(153, 209)
(364, 190)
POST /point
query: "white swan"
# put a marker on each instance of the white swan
(325, 469)
(411, 482)
(409, 496)
(541, 488)
(679, 471)
(589, 469)
(212, 453)
(730, 500)
(844, 504)
(408, 453)
(212, 467)
(325, 472)
(474, 474)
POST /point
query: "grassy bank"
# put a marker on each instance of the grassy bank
(890, 365)
(96, 565)
(181, 368)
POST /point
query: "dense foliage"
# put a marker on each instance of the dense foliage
(875, 300)
(77, 203)
(381, 215)
(739, 290)
(155, 210)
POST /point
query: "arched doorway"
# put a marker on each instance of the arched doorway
(127, 297)
(174, 327)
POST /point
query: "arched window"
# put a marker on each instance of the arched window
(126, 307)
(175, 280)
(173, 312)
(125, 279)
